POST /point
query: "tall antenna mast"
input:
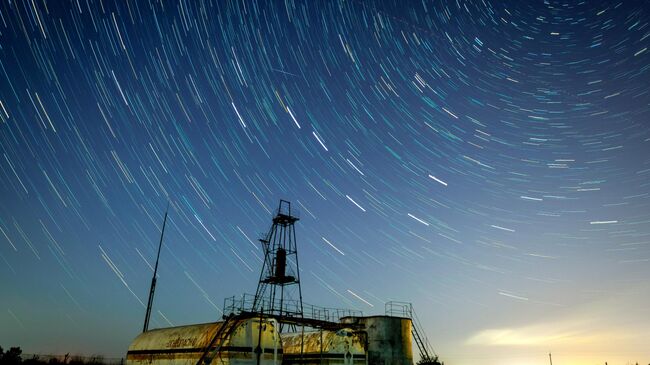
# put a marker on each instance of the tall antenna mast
(276, 292)
(155, 272)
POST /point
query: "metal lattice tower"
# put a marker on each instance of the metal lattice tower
(278, 290)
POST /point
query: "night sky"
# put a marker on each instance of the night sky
(488, 161)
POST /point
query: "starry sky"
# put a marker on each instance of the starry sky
(488, 161)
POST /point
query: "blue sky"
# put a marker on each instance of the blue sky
(487, 161)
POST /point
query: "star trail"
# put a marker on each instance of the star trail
(488, 161)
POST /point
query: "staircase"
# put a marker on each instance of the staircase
(427, 355)
(402, 309)
(219, 340)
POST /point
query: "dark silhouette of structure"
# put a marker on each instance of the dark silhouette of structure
(278, 290)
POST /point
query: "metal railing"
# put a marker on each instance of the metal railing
(287, 210)
(399, 309)
(404, 309)
(290, 308)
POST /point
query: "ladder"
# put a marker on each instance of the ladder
(422, 342)
(219, 340)
(427, 355)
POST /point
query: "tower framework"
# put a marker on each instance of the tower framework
(278, 290)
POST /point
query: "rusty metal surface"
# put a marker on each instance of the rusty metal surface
(342, 347)
(184, 345)
(181, 337)
(338, 342)
(389, 340)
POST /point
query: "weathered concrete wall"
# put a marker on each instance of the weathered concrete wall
(184, 345)
(389, 339)
(343, 347)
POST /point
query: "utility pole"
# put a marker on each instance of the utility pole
(155, 272)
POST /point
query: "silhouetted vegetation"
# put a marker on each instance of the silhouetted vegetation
(433, 361)
(15, 356)
(11, 357)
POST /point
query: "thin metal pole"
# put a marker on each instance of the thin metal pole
(295, 249)
(147, 316)
(259, 350)
(321, 346)
(282, 239)
(302, 343)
